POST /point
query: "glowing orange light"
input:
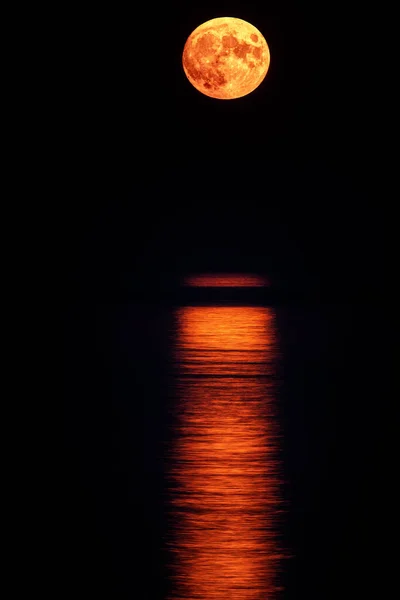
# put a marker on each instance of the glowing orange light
(226, 280)
(225, 469)
(226, 58)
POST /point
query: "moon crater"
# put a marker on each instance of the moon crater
(226, 58)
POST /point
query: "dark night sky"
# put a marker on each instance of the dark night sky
(160, 180)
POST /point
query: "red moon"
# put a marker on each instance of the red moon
(226, 58)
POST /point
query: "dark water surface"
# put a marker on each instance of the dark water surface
(220, 451)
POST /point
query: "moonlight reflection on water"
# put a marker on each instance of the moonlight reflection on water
(224, 468)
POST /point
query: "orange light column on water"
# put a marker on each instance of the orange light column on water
(224, 471)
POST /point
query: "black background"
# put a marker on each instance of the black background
(160, 177)
(159, 180)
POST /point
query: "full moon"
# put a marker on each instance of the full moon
(226, 58)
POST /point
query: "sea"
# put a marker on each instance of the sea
(221, 446)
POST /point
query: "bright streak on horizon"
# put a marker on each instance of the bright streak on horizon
(226, 280)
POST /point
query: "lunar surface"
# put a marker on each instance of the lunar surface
(226, 58)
